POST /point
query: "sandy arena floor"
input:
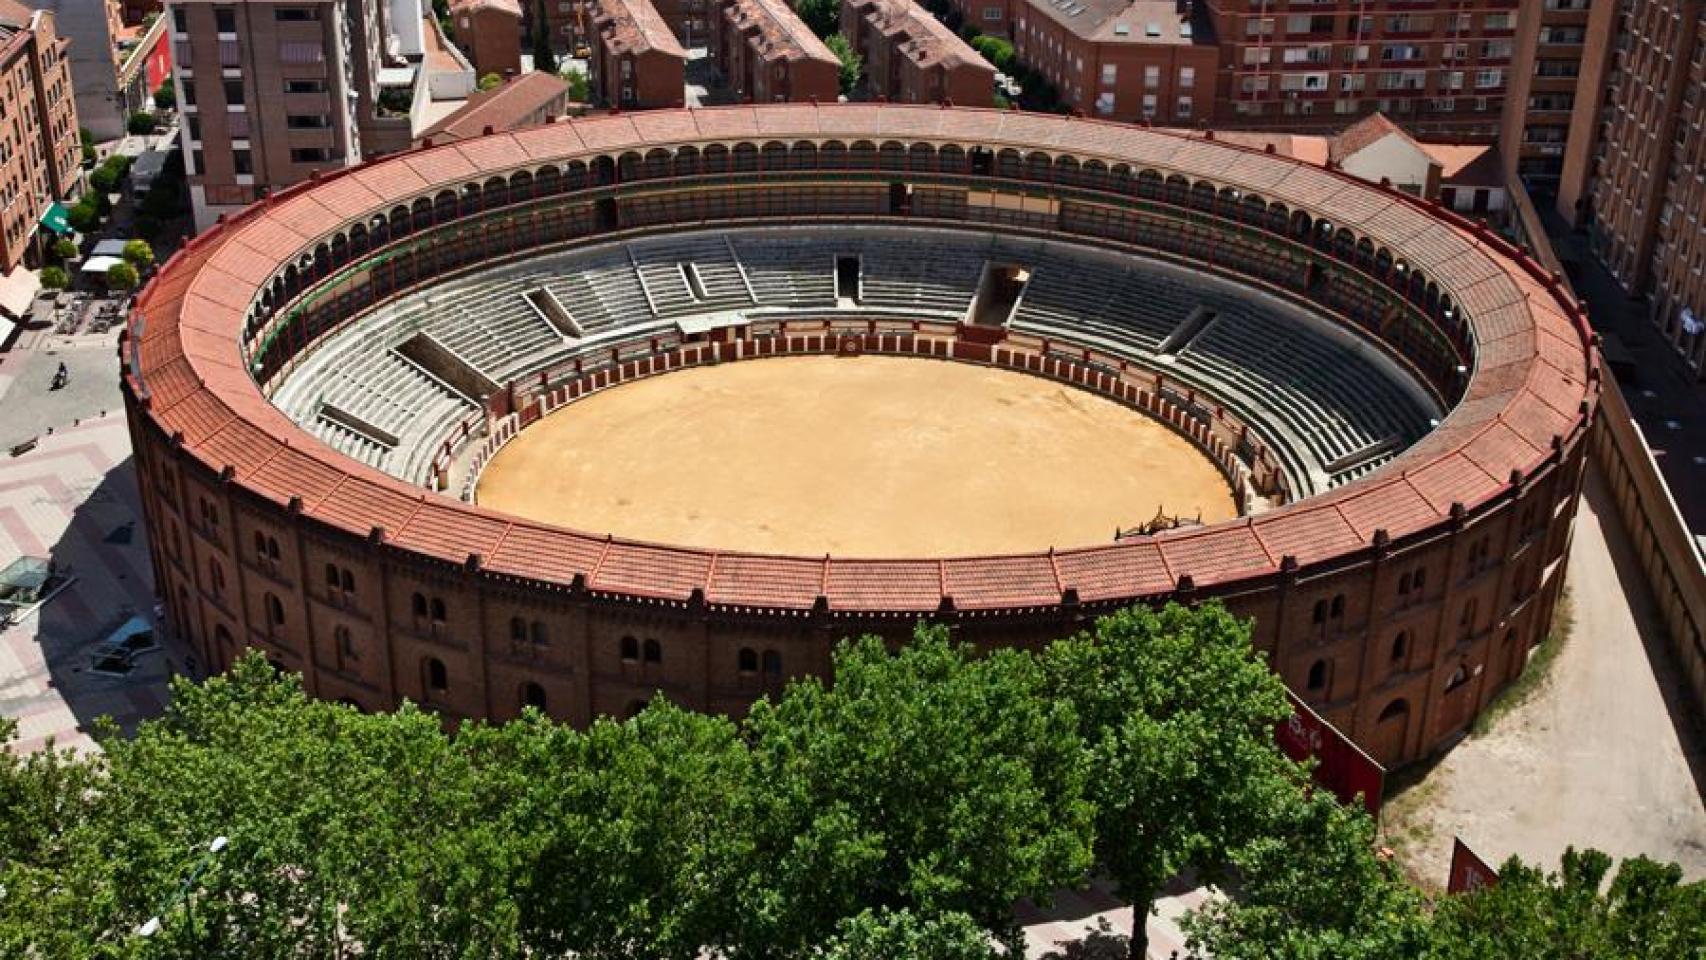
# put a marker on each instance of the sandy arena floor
(867, 456)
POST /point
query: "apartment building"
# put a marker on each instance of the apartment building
(273, 91)
(1550, 127)
(1131, 60)
(637, 63)
(39, 151)
(1442, 70)
(911, 57)
(1647, 215)
(766, 54)
(489, 31)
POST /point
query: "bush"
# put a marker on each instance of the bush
(579, 87)
(122, 276)
(64, 249)
(54, 278)
(852, 65)
(997, 51)
(491, 80)
(166, 98)
(104, 180)
(141, 122)
(138, 254)
(83, 216)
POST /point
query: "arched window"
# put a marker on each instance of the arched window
(216, 578)
(1459, 677)
(1320, 613)
(1338, 609)
(260, 547)
(275, 611)
(418, 606)
(772, 663)
(654, 651)
(630, 650)
(1318, 675)
(533, 695)
(1400, 646)
(344, 642)
(437, 680)
(1394, 710)
(437, 610)
(537, 632)
(517, 632)
(346, 580)
(332, 576)
(748, 660)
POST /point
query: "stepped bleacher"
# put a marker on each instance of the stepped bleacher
(1332, 412)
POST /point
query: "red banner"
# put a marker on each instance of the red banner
(1468, 871)
(1341, 766)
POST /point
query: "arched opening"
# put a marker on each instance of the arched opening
(653, 651)
(747, 660)
(1458, 678)
(630, 650)
(1394, 710)
(1400, 646)
(437, 679)
(1317, 676)
(438, 612)
(772, 664)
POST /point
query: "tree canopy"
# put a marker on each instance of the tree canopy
(894, 814)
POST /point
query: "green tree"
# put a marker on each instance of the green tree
(166, 95)
(1647, 912)
(544, 56)
(925, 780)
(64, 249)
(122, 276)
(997, 51)
(104, 179)
(87, 139)
(138, 254)
(580, 88)
(140, 122)
(852, 65)
(1176, 712)
(635, 832)
(84, 215)
(822, 16)
(1312, 886)
(902, 935)
(54, 278)
(490, 81)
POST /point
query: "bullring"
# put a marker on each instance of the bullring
(1396, 586)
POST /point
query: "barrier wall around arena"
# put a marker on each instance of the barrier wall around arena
(1396, 606)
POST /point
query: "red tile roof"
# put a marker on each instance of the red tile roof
(1535, 378)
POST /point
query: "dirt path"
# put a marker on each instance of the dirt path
(867, 456)
(1593, 757)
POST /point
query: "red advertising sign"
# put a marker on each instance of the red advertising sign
(1341, 766)
(1468, 871)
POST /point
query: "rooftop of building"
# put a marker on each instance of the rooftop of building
(635, 26)
(928, 41)
(1159, 22)
(511, 7)
(777, 31)
(1461, 164)
(501, 108)
(14, 17)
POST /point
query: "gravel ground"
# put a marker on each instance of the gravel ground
(1592, 757)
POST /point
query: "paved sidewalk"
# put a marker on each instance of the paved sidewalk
(73, 499)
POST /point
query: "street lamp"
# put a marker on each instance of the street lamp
(186, 891)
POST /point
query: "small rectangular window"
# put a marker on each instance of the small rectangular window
(242, 162)
(295, 14)
(225, 19)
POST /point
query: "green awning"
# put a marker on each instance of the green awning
(54, 218)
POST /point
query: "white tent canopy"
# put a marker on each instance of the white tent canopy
(101, 264)
(109, 248)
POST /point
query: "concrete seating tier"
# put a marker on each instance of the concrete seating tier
(1333, 411)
